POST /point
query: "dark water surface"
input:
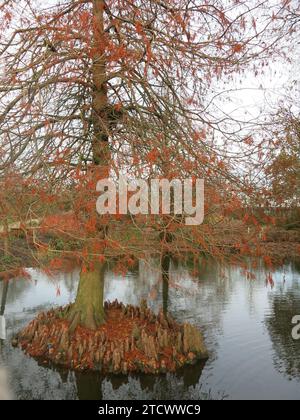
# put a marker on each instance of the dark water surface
(246, 323)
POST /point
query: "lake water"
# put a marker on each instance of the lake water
(247, 326)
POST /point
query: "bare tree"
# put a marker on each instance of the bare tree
(95, 87)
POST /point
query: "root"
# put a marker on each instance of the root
(88, 318)
(74, 320)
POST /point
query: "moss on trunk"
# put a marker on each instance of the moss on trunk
(88, 309)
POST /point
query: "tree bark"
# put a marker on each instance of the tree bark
(88, 310)
(165, 267)
(4, 297)
(6, 238)
(100, 118)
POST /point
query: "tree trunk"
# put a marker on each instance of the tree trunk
(88, 310)
(6, 238)
(165, 267)
(4, 297)
(100, 117)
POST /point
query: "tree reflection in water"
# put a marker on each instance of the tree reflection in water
(93, 386)
(284, 306)
(165, 272)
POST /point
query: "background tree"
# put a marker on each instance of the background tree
(283, 170)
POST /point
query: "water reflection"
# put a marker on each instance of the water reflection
(4, 387)
(246, 324)
(91, 386)
(284, 306)
(165, 270)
